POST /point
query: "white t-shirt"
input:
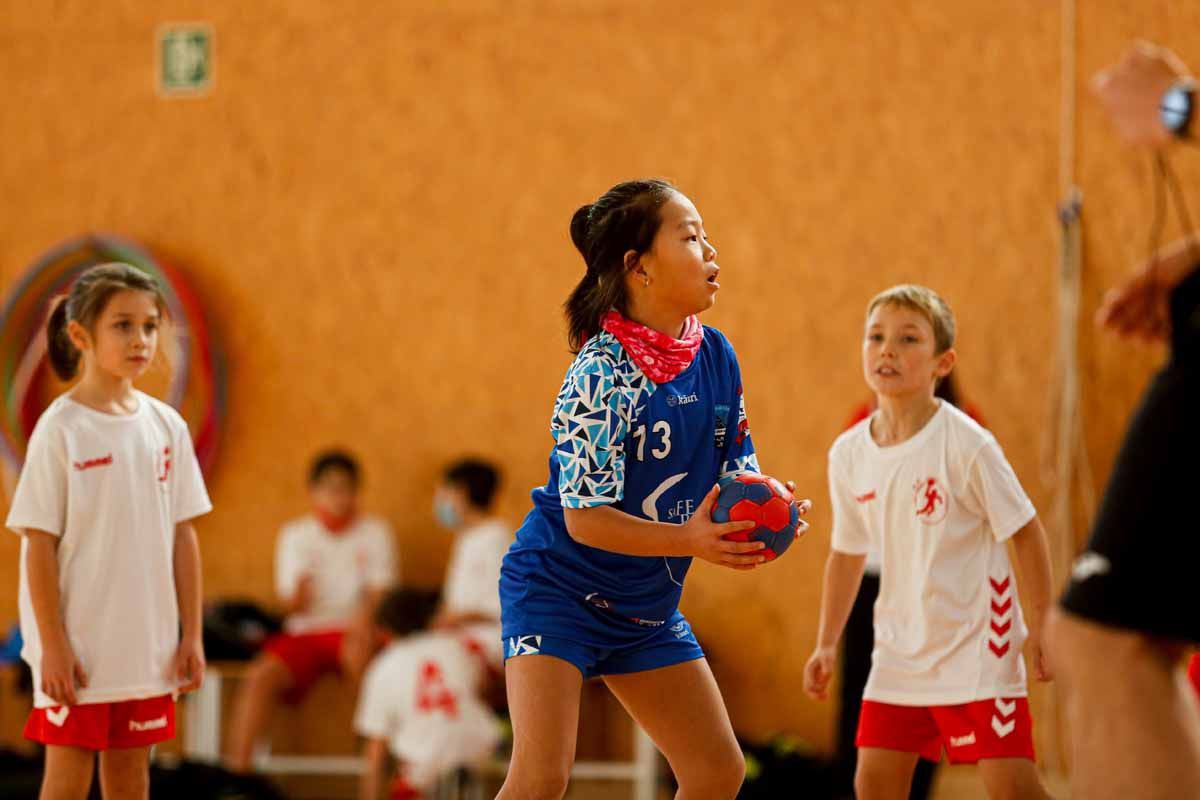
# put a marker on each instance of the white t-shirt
(112, 488)
(472, 583)
(421, 694)
(343, 565)
(939, 508)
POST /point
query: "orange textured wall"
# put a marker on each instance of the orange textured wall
(373, 203)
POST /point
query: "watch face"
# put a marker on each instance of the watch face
(1176, 108)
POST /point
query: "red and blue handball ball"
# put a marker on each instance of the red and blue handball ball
(763, 500)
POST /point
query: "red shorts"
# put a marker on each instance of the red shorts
(996, 728)
(104, 726)
(307, 657)
(1194, 671)
(401, 789)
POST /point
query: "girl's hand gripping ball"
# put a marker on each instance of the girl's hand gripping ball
(765, 501)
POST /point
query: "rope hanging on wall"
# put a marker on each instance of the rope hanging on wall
(1066, 468)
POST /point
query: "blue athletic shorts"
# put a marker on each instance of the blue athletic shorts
(673, 643)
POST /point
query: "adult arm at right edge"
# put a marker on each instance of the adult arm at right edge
(1139, 306)
(843, 575)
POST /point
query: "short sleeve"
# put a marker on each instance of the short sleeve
(375, 718)
(850, 534)
(40, 500)
(381, 570)
(288, 564)
(995, 488)
(591, 420)
(738, 455)
(189, 497)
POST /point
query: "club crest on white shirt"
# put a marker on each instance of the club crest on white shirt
(930, 500)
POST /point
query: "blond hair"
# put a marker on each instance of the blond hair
(925, 302)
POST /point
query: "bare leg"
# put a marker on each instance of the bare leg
(681, 709)
(125, 773)
(68, 773)
(1135, 727)
(543, 701)
(1011, 779)
(883, 774)
(267, 678)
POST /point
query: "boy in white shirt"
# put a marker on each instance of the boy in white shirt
(930, 490)
(470, 594)
(420, 702)
(331, 568)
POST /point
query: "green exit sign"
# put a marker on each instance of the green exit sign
(185, 59)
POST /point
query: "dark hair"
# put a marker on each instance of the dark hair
(947, 390)
(85, 302)
(403, 611)
(479, 479)
(625, 218)
(331, 460)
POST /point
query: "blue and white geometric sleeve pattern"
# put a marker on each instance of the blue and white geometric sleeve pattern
(590, 423)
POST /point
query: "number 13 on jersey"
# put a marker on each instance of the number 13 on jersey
(662, 431)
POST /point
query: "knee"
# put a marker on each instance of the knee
(715, 775)
(124, 777)
(870, 784)
(267, 675)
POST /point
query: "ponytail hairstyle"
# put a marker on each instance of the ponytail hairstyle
(86, 301)
(626, 217)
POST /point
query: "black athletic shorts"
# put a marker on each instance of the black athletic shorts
(1141, 569)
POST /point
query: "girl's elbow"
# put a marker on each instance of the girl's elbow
(575, 521)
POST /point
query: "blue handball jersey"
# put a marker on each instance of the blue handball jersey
(652, 451)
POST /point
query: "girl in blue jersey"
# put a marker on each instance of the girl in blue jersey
(649, 416)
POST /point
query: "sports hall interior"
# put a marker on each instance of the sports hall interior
(371, 202)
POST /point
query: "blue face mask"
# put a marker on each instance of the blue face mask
(446, 513)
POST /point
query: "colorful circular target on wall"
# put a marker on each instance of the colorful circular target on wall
(188, 372)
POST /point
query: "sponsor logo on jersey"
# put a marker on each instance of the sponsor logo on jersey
(930, 500)
(91, 463)
(865, 498)
(720, 425)
(148, 725)
(1089, 565)
(674, 400)
(743, 428)
(650, 504)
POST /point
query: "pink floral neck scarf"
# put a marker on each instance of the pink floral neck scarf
(661, 357)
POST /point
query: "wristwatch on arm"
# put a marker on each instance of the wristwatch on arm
(1177, 106)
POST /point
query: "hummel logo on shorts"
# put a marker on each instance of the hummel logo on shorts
(148, 725)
